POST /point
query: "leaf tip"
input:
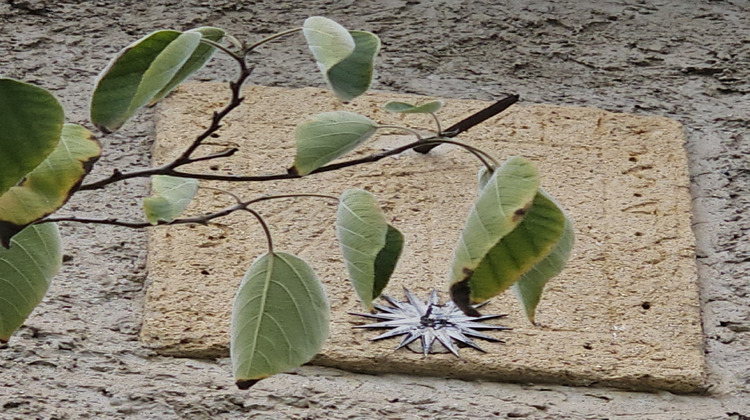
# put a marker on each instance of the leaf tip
(293, 171)
(245, 384)
(104, 129)
(368, 307)
(7, 231)
(461, 295)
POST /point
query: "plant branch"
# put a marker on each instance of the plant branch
(281, 196)
(185, 158)
(234, 102)
(171, 171)
(201, 220)
(217, 155)
(473, 120)
(422, 145)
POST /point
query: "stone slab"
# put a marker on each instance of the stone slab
(624, 312)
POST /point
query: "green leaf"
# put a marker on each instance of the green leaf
(171, 196)
(500, 208)
(353, 76)
(49, 186)
(328, 136)
(344, 57)
(26, 270)
(405, 108)
(197, 60)
(329, 42)
(515, 233)
(31, 121)
(370, 246)
(529, 287)
(279, 318)
(138, 74)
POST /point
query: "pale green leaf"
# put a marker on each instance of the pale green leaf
(26, 270)
(49, 186)
(352, 76)
(531, 242)
(529, 287)
(498, 210)
(328, 136)
(370, 246)
(329, 42)
(138, 74)
(31, 120)
(406, 108)
(501, 206)
(279, 318)
(197, 60)
(170, 197)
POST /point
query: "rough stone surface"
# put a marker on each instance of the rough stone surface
(625, 311)
(79, 356)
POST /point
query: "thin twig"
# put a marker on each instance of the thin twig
(429, 141)
(264, 225)
(201, 220)
(437, 122)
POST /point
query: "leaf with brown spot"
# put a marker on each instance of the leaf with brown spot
(515, 235)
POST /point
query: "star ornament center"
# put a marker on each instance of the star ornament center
(430, 327)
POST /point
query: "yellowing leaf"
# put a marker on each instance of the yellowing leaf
(515, 233)
(31, 121)
(49, 186)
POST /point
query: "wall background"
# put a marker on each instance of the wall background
(78, 355)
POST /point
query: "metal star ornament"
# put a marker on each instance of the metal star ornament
(439, 327)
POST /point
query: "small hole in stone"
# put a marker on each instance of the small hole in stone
(646, 305)
(205, 272)
(637, 195)
(588, 346)
(214, 167)
(633, 159)
(638, 234)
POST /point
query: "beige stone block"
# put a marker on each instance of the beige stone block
(624, 312)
